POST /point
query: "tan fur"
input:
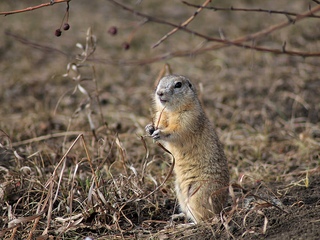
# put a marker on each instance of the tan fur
(201, 170)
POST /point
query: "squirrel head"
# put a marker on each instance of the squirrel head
(175, 93)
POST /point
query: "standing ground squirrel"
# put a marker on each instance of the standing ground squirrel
(201, 168)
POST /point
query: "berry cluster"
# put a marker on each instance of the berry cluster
(66, 25)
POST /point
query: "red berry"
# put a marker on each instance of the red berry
(66, 26)
(58, 33)
(125, 45)
(113, 30)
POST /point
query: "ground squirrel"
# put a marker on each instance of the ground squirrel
(201, 170)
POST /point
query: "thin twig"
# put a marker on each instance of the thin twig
(164, 22)
(34, 44)
(248, 193)
(145, 159)
(52, 2)
(235, 9)
(170, 55)
(187, 53)
(90, 161)
(273, 28)
(184, 24)
(238, 42)
(168, 175)
(45, 137)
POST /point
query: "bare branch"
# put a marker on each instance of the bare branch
(235, 9)
(239, 42)
(41, 47)
(249, 37)
(168, 55)
(164, 22)
(222, 43)
(52, 2)
(184, 24)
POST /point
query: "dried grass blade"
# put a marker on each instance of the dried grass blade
(15, 222)
(145, 160)
(168, 175)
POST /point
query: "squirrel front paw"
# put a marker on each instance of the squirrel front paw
(154, 133)
(150, 129)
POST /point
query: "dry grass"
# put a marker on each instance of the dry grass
(72, 162)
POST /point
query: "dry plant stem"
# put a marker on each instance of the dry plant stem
(97, 93)
(34, 44)
(168, 175)
(260, 213)
(145, 160)
(52, 2)
(127, 219)
(71, 192)
(15, 222)
(7, 137)
(69, 225)
(160, 118)
(311, 171)
(66, 15)
(46, 137)
(122, 154)
(14, 233)
(154, 221)
(136, 28)
(235, 9)
(184, 24)
(165, 70)
(89, 160)
(247, 193)
(36, 221)
(51, 181)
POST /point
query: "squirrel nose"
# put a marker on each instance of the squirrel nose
(160, 93)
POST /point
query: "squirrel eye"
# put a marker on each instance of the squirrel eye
(178, 85)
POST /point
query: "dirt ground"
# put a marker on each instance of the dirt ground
(74, 159)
